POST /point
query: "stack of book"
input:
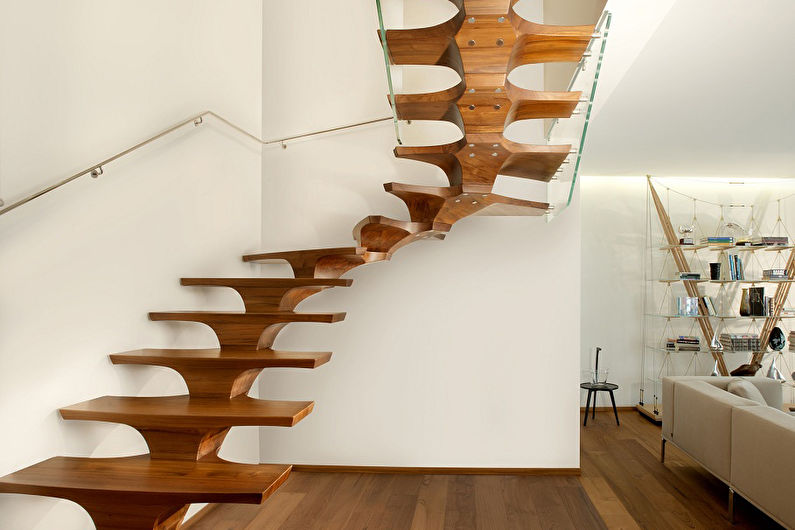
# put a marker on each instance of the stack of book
(739, 343)
(791, 338)
(683, 343)
(774, 274)
(717, 240)
(686, 241)
(689, 275)
(775, 241)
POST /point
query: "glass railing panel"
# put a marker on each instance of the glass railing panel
(388, 66)
(574, 130)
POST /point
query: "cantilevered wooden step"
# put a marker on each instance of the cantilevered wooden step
(424, 45)
(320, 262)
(479, 158)
(261, 295)
(185, 412)
(141, 493)
(220, 373)
(187, 428)
(382, 234)
(246, 330)
(542, 43)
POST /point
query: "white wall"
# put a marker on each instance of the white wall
(455, 353)
(81, 267)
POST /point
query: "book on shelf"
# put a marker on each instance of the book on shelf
(717, 240)
(686, 241)
(776, 241)
(709, 306)
(683, 343)
(731, 267)
(689, 275)
(774, 274)
(739, 342)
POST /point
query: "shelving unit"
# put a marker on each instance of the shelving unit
(665, 259)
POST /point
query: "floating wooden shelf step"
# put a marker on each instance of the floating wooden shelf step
(431, 106)
(220, 373)
(382, 234)
(246, 330)
(482, 203)
(185, 412)
(479, 158)
(184, 427)
(320, 262)
(532, 105)
(271, 294)
(541, 43)
(141, 493)
(424, 45)
(442, 156)
(423, 202)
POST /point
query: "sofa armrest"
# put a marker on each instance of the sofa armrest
(762, 462)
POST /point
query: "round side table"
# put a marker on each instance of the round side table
(592, 389)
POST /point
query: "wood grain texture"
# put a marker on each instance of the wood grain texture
(261, 295)
(423, 45)
(153, 490)
(320, 262)
(246, 330)
(381, 234)
(185, 428)
(220, 373)
(623, 485)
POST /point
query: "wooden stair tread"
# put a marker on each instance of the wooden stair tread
(231, 316)
(321, 262)
(222, 358)
(186, 412)
(140, 478)
(314, 252)
(268, 282)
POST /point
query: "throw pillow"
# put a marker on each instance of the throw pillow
(744, 389)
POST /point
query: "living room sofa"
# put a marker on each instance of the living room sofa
(747, 444)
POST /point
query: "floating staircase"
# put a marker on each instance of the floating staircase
(482, 42)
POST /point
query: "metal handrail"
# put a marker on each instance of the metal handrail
(97, 169)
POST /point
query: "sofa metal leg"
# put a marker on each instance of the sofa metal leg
(731, 506)
(662, 451)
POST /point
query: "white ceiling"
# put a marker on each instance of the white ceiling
(696, 88)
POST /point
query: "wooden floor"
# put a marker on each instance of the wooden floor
(623, 485)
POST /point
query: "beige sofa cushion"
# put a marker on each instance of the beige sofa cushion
(763, 460)
(702, 425)
(744, 389)
(770, 389)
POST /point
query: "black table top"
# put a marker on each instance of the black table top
(599, 386)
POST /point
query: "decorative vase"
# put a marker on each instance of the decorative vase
(745, 303)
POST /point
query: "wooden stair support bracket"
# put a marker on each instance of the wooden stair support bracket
(220, 373)
(246, 331)
(424, 45)
(186, 428)
(320, 262)
(381, 234)
(155, 493)
(681, 263)
(779, 299)
(261, 295)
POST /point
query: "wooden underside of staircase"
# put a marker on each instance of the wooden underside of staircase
(483, 42)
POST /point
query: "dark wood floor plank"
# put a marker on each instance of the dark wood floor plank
(623, 485)
(431, 503)
(460, 510)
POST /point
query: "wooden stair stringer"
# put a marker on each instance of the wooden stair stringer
(381, 234)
